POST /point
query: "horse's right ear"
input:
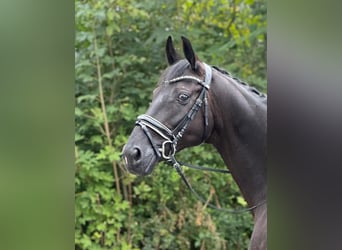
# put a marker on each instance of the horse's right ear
(171, 53)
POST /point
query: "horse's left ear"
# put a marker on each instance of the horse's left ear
(189, 53)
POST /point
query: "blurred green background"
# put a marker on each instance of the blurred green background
(119, 57)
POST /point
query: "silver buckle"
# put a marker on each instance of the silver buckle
(172, 150)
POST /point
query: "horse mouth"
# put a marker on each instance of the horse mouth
(145, 167)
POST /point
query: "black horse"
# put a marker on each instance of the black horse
(195, 103)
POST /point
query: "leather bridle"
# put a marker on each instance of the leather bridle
(167, 150)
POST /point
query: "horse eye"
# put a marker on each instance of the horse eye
(183, 97)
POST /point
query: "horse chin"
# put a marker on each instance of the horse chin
(149, 167)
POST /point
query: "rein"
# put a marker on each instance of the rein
(167, 150)
(177, 166)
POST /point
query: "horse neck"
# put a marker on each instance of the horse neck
(239, 135)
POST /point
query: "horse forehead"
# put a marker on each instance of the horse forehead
(178, 69)
(160, 96)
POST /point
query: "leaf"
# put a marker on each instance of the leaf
(241, 201)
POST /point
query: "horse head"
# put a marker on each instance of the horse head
(178, 116)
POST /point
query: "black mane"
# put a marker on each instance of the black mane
(250, 88)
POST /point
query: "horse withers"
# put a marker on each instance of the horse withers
(195, 103)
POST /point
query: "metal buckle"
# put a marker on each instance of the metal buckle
(172, 150)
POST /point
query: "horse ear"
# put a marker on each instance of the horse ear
(171, 53)
(189, 53)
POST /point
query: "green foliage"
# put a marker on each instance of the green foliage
(119, 56)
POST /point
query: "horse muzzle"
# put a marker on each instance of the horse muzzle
(138, 160)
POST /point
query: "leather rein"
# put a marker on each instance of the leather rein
(167, 150)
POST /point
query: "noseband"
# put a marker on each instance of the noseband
(167, 150)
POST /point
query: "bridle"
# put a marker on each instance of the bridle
(171, 137)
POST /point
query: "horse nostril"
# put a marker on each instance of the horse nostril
(136, 154)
